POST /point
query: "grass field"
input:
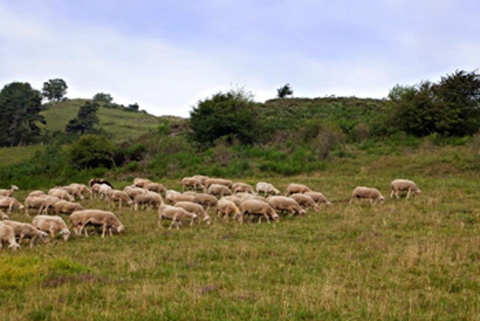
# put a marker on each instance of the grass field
(415, 259)
(12, 155)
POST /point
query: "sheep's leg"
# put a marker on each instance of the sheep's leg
(111, 233)
(52, 233)
(351, 200)
(120, 204)
(104, 229)
(32, 240)
(408, 193)
(173, 222)
(392, 193)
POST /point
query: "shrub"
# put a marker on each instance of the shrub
(91, 151)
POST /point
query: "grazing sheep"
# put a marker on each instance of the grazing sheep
(36, 193)
(176, 215)
(367, 192)
(104, 190)
(61, 194)
(319, 198)
(10, 203)
(107, 220)
(218, 189)
(258, 208)
(8, 192)
(297, 189)
(4, 216)
(141, 182)
(82, 188)
(305, 201)
(171, 195)
(120, 196)
(74, 191)
(52, 225)
(65, 207)
(240, 187)
(206, 200)
(96, 190)
(48, 202)
(282, 203)
(219, 181)
(155, 187)
(195, 208)
(36, 202)
(266, 188)
(185, 197)
(99, 181)
(399, 185)
(147, 199)
(201, 178)
(190, 182)
(7, 235)
(133, 191)
(235, 199)
(26, 230)
(226, 208)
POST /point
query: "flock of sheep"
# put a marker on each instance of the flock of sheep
(229, 200)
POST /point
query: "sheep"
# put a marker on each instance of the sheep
(133, 191)
(266, 188)
(96, 190)
(47, 203)
(147, 199)
(36, 202)
(104, 190)
(141, 182)
(367, 192)
(61, 194)
(8, 192)
(190, 182)
(82, 188)
(175, 214)
(99, 181)
(185, 197)
(201, 178)
(305, 201)
(52, 225)
(155, 187)
(220, 181)
(3, 216)
(259, 208)
(226, 208)
(282, 203)
(195, 208)
(240, 187)
(26, 230)
(297, 189)
(10, 203)
(218, 189)
(206, 200)
(74, 191)
(8, 235)
(120, 196)
(319, 198)
(65, 207)
(171, 195)
(398, 185)
(81, 219)
(235, 199)
(37, 193)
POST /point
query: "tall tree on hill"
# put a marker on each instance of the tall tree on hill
(85, 121)
(20, 106)
(54, 89)
(284, 91)
(103, 98)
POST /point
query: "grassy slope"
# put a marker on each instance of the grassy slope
(121, 124)
(405, 259)
(12, 155)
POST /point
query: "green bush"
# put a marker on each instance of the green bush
(91, 151)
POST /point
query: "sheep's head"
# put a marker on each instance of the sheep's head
(276, 217)
(14, 188)
(328, 203)
(207, 220)
(21, 207)
(119, 227)
(418, 191)
(381, 199)
(65, 233)
(302, 212)
(14, 246)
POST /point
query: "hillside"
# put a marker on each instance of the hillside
(120, 123)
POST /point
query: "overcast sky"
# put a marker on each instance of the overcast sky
(166, 55)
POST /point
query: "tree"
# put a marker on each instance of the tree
(134, 107)
(54, 89)
(91, 151)
(20, 107)
(284, 91)
(103, 98)
(231, 115)
(85, 121)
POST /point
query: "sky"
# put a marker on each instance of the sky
(167, 55)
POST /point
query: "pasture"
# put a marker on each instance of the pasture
(407, 259)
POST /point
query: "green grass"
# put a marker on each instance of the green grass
(122, 125)
(415, 259)
(13, 155)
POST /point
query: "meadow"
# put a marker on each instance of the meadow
(407, 259)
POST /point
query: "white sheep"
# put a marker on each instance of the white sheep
(107, 220)
(176, 215)
(36, 193)
(171, 195)
(119, 196)
(266, 188)
(26, 230)
(191, 182)
(319, 198)
(241, 187)
(367, 192)
(3, 216)
(10, 203)
(104, 190)
(206, 200)
(8, 192)
(52, 225)
(147, 199)
(220, 181)
(8, 235)
(219, 189)
(282, 203)
(195, 208)
(297, 189)
(258, 208)
(399, 185)
(61, 194)
(305, 201)
(226, 208)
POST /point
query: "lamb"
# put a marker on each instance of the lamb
(218, 189)
(37, 193)
(398, 185)
(190, 182)
(281, 203)
(171, 195)
(219, 181)
(10, 203)
(26, 230)
(195, 208)
(147, 199)
(240, 187)
(176, 215)
(367, 192)
(259, 208)
(120, 196)
(99, 181)
(266, 188)
(3, 216)
(65, 207)
(8, 192)
(155, 187)
(297, 189)
(107, 220)
(61, 194)
(305, 201)
(133, 191)
(201, 178)
(8, 235)
(206, 200)
(319, 198)
(52, 225)
(226, 208)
